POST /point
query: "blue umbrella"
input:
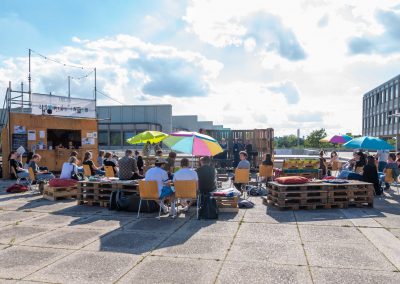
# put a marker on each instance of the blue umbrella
(368, 143)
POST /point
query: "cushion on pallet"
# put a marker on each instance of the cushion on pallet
(58, 182)
(291, 180)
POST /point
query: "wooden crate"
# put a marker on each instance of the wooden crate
(227, 204)
(57, 193)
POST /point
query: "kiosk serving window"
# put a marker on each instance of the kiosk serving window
(57, 137)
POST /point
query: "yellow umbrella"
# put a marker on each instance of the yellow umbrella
(152, 137)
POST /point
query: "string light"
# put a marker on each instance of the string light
(109, 97)
(82, 77)
(59, 62)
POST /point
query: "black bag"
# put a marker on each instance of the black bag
(76, 176)
(112, 205)
(209, 208)
(131, 203)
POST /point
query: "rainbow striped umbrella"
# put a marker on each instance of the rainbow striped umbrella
(193, 143)
(337, 139)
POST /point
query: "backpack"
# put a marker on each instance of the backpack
(209, 208)
(245, 204)
(257, 191)
(119, 201)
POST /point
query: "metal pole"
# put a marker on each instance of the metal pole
(22, 96)
(29, 80)
(69, 87)
(95, 85)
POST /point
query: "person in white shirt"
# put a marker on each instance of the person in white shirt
(185, 173)
(382, 156)
(69, 168)
(164, 190)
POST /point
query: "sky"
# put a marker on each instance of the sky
(245, 64)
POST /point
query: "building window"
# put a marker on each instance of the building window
(127, 135)
(115, 138)
(390, 93)
(396, 90)
(103, 138)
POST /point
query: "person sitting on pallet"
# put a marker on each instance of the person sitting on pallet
(40, 174)
(87, 160)
(109, 161)
(185, 173)
(164, 189)
(70, 168)
(243, 164)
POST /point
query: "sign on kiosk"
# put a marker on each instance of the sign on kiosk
(63, 106)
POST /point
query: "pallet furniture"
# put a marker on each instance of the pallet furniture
(97, 193)
(227, 204)
(320, 195)
(57, 193)
(300, 167)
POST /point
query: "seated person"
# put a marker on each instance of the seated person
(391, 164)
(100, 159)
(170, 165)
(75, 154)
(28, 159)
(140, 164)
(128, 169)
(15, 160)
(185, 173)
(207, 176)
(370, 174)
(243, 164)
(70, 168)
(268, 160)
(158, 174)
(109, 161)
(159, 153)
(40, 174)
(87, 160)
(351, 166)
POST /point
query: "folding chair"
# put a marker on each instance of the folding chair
(264, 172)
(109, 171)
(242, 176)
(148, 190)
(87, 172)
(32, 180)
(16, 176)
(187, 189)
(390, 179)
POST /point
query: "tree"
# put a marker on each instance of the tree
(313, 138)
(288, 141)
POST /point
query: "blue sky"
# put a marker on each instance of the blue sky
(244, 64)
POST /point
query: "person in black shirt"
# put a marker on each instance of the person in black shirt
(206, 174)
(16, 163)
(109, 161)
(249, 150)
(268, 160)
(370, 174)
(236, 150)
(87, 160)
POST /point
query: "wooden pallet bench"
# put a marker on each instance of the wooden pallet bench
(227, 204)
(57, 193)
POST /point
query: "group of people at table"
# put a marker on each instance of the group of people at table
(367, 168)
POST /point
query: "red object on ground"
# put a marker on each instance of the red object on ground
(57, 182)
(16, 188)
(291, 180)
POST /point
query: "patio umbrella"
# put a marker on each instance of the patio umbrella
(368, 143)
(148, 136)
(193, 143)
(336, 139)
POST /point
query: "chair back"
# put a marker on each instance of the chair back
(32, 176)
(389, 176)
(185, 189)
(148, 190)
(109, 171)
(359, 170)
(242, 175)
(266, 171)
(336, 165)
(86, 170)
(13, 172)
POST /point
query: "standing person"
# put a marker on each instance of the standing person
(40, 174)
(128, 169)
(70, 168)
(206, 175)
(322, 163)
(100, 159)
(236, 150)
(382, 156)
(109, 161)
(164, 190)
(391, 164)
(249, 150)
(87, 160)
(185, 173)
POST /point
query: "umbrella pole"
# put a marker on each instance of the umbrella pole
(192, 161)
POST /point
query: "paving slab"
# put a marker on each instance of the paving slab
(55, 220)
(208, 227)
(386, 243)
(102, 222)
(198, 246)
(332, 217)
(248, 272)
(47, 206)
(256, 251)
(331, 234)
(19, 233)
(269, 216)
(268, 232)
(231, 216)
(127, 242)
(10, 217)
(395, 232)
(156, 269)
(360, 218)
(351, 276)
(68, 238)
(153, 225)
(87, 267)
(82, 209)
(17, 262)
(389, 220)
(357, 256)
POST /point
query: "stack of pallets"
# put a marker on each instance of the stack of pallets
(57, 193)
(227, 204)
(320, 195)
